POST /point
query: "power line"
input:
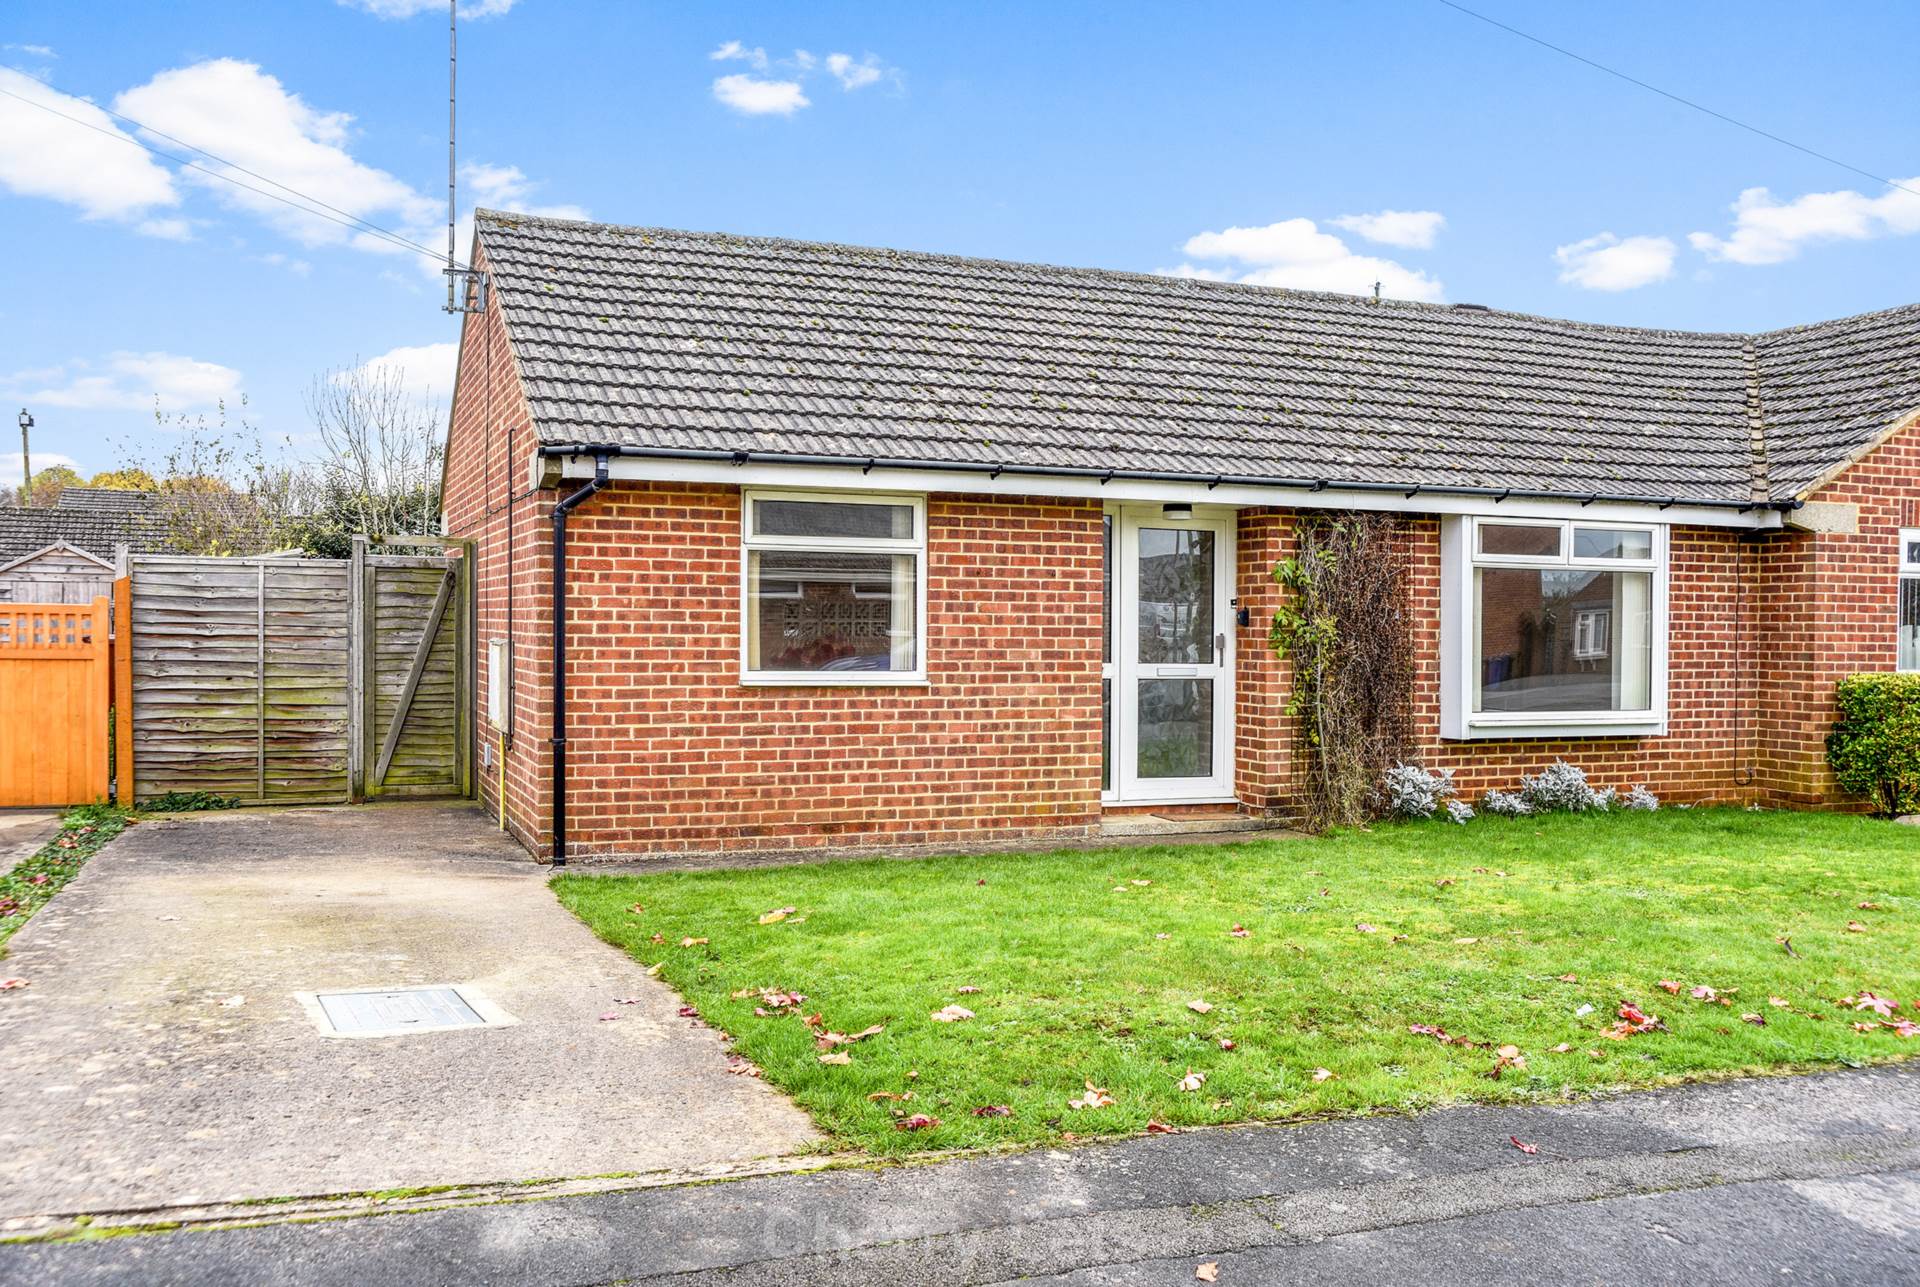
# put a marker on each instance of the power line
(313, 205)
(1684, 102)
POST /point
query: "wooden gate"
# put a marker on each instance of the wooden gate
(56, 672)
(291, 680)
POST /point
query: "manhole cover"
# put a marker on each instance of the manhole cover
(393, 1012)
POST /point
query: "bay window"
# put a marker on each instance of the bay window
(833, 588)
(1910, 598)
(1552, 628)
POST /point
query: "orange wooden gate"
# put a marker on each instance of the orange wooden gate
(56, 666)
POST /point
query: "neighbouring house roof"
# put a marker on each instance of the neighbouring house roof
(685, 341)
(96, 532)
(106, 500)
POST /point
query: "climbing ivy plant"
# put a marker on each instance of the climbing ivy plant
(1345, 627)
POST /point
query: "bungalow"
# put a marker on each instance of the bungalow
(785, 545)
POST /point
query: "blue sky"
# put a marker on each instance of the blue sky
(1260, 141)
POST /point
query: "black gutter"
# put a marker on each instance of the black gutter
(868, 463)
(564, 507)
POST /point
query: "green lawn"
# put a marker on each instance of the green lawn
(1085, 973)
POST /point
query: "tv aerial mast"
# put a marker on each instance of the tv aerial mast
(466, 286)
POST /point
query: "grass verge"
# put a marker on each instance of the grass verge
(26, 889)
(1499, 933)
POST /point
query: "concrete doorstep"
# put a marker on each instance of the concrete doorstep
(1780, 1180)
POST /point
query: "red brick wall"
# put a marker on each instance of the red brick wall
(487, 501)
(1833, 610)
(669, 752)
(1264, 733)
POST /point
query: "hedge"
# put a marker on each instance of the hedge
(1874, 747)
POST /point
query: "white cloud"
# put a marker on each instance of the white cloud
(1769, 231)
(298, 267)
(32, 51)
(852, 75)
(1607, 262)
(426, 370)
(104, 174)
(1414, 229)
(757, 56)
(238, 111)
(11, 472)
(1296, 253)
(166, 229)
(751, 96)
(408, 8)
(127, 381)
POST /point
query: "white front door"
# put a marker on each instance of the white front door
(1170, 671)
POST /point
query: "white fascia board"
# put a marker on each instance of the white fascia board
(852, 478)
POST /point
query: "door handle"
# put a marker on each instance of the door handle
(1220, 649)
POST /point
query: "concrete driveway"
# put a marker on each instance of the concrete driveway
(162, 1058)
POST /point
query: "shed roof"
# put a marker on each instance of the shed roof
(671, 340)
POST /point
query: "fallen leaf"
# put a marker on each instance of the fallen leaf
(1528, 1149)
(1507, 1057)
(777, 915)
(1193, 1080)
(1226, 1043)
(1365, 928)
(1464, 941)
(688, 1012)
(1199, 1007)
(1094, 1098)
(879, 1095)
(1670, 986)
(1779, 1002)
(1160, 1128)
(1207, 1271)
(1786, 943)
(981, 881)
(635, 910)
(8, 985)
(1323, 1074)
(1879, 1005)
(1865, 1027)
(952, 1014)
(918, 1122)
(1163, 936)
(1757, 1020)
(1583, 1011)
(653, 971)
(1569, 978)
(1142, 882)
(993, 1110)
(1562, 1048)
(234, 1002)
(1869, 907)
(659, 938)
(966, 990)
(1855, 927)
(609, 1016)
(1241, 931)
(692, 942)
(1703, 993)
(1443, 882)
(837, 1057)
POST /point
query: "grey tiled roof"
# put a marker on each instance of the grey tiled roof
(106, 500)
(655, 338)
(26, 531)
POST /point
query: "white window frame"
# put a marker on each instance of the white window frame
(1593, 634)
(915, 545)
(1909, 571)
(1460, 653)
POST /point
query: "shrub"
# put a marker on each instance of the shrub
(1562, 788)
(1641, 799)
(1412, 792)
(1874, 747)
(188, 802)
(1505, 804)
(1459, 811)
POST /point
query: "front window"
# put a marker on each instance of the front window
(1558, 627)
(1910, 599)
(833, 588)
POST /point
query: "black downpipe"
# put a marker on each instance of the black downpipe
(558, 741)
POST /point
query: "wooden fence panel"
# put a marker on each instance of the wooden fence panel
(239, 678)
(414, 741)
(55, 674)
(289, 680)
